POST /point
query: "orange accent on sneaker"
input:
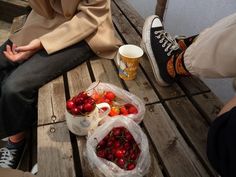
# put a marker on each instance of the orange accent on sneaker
(170, 67)
(179, 68)
(182, 45)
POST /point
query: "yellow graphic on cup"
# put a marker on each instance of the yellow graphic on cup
(128, 61)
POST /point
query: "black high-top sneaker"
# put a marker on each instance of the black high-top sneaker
(11, 154)
(161, 49)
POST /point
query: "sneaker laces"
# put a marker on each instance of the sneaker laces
(7, 155)
(168, 42)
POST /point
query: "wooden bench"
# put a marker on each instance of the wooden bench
(176, 121)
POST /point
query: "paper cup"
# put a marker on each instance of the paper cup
(128, 61)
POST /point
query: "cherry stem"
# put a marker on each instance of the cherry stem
(93, 87)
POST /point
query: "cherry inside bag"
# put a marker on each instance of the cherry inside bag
(100, 140)
(122, 99)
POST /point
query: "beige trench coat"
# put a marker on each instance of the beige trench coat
(62, 23)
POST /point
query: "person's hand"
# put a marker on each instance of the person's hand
(22, 53)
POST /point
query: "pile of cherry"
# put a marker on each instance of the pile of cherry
(116, 108)
(119, 146)
(81, 104)
(84, 104)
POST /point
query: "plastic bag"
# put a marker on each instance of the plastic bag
(122, 94)
(109, 168)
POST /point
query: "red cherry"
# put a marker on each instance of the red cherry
(128, 136)
(88, 107)
(133, 156)
(132, 110)
(116, 131)
(83, 95)
(121, 163)
(127, 146)
(131, 166)
(75, 111)
(128, 105)
(110, 143)
(90, 100)
(109, 157)
(124, 111)
(101, 144)
(117, 144)
(79, 100)
(101, 153)
(110, 95)
(70, 104)
(119, 153)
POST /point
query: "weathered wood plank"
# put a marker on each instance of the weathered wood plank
(155, 168)
(178, 159)
(132, 37)
(51, 102)
(209, 104)
(78, 79)
(131, 14)
(105, 71)
(55, 151)
(193, 85)
(192, 125)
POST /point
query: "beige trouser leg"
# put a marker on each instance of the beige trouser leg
(6, 172)
(213, 54)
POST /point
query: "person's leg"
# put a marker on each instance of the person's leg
(19, 90)
(213, 54)
(221, 140)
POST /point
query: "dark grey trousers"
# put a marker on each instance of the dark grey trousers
(20, 82)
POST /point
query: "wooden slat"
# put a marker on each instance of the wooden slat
(78, 79)
(131, 14)
(209, 104)
(132, 37)
(55, 151)
(193, 85)
(51, 102)
(192, 125)
(177, 157)
(105, 71)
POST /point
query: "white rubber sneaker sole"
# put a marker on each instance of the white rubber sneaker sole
(146, 46)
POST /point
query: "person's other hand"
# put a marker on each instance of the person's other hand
(22, 53)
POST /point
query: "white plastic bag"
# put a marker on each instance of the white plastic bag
(108, 168)
(122, 94)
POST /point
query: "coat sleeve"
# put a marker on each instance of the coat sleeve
(91, 14)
